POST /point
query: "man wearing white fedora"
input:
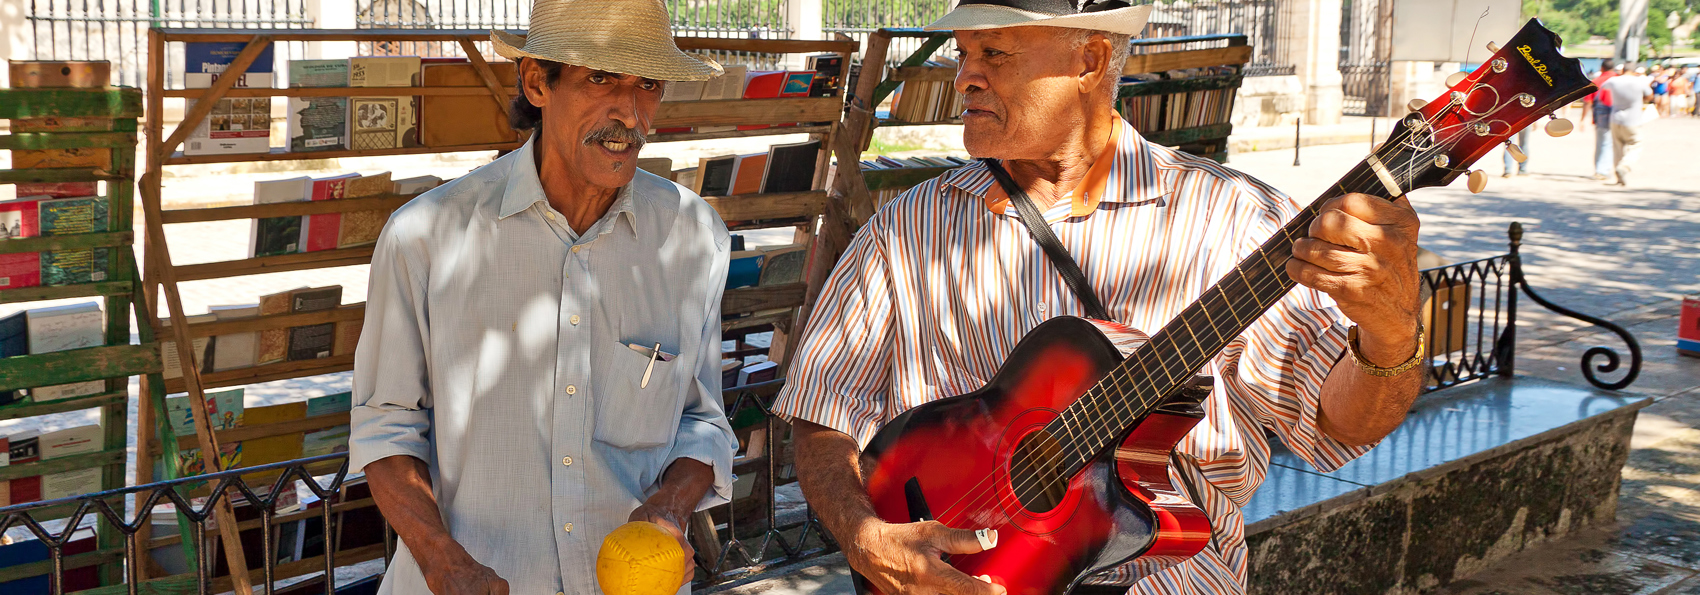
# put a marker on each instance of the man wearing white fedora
(936, 289)
(541, 355)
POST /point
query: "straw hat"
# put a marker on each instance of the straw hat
(1113, 16)
(624, 36)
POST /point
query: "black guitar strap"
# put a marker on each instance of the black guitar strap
(1047, 240)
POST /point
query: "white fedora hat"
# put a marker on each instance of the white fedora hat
(624, 36)
(1113, 16)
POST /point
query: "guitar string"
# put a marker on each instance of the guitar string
(1145, 399)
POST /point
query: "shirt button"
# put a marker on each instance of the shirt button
(549, 214)
(573, 319)
(1041, 306)
(572, 390)
(568, 461)
(568, 527)
(575, 249)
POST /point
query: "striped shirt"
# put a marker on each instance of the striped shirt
(937, 288)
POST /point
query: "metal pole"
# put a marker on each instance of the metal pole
(1297, 125)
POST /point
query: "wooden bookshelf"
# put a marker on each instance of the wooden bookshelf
(777, 306)
(117, 359)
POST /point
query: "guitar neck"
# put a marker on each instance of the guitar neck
(1168, 361)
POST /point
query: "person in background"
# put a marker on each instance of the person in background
(1692, 75)
(1681, 93)
(1628, 93)
(1661, 91)
(1600, 110)
(1522, 167)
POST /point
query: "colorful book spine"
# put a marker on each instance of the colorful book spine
(318, 123)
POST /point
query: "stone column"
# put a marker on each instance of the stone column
(16, 38)
(1312, 42)
(803, 17)
(333, 14)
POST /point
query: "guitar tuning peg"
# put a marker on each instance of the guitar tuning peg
(1417, 104)
(1478, 181)
(1516, 152)
(1559, 127)
(1493, 47)
(1453, 79)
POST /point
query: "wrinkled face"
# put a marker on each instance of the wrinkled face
(594, 120)
(1021, 90)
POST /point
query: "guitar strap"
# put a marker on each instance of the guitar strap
(1047, 240)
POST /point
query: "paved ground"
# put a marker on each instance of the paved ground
(1626, 254)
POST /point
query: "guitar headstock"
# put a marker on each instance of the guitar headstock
(1523, 81)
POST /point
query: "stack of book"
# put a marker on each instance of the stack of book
(32, 446)
(1155, 113)
(273, 236)
(47, 330)
(928, 101)
(227, 410)
(783, 168)
(44, 215)
(821, 78)
(883, 162)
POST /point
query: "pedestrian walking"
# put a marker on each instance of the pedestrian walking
(1523, 166)
(1600, 110)
(1681, 94)
(1629, 93)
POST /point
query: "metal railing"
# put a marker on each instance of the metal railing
(1265, 23)
(1471, 322)
(117, 30)
(1364, 47)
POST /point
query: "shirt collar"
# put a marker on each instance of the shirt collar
(525, 189)
(1125, 173)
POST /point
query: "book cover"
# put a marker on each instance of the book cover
(360, 228)
(62, 328)
(19, 219)
(783, 265)
(14, 341)
(829, 69)
(168, 349)
(747, 173)
(236, 124)
(5, 486)
(660, 166)
(319, 232)
(273, 346)
(318, 123)
(224, 411)
(797, 83)
(714, 175)
(22, 449)
(66, 484)
(791, 168)
(272, 449)
(416, 185)
(273, 236)
(758, 373)
(383, 122)
(731, 86)
(763, 84)
(234, 350)
(65, 443)
(743, 269)
(347, 336)
(65, 216)
(189, 460)
(324, 442)
(329, 404)
(450, 120)
(318, 340)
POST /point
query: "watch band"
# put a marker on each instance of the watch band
(1374, 370)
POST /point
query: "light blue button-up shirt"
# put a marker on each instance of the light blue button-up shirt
(495, 350)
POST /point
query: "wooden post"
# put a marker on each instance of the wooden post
(160, 255)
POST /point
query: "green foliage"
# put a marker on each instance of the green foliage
(1658, 31)
(1575, 20)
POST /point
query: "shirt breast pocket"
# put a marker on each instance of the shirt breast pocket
(631, 414)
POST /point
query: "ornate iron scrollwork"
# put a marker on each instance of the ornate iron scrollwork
(1589, 368)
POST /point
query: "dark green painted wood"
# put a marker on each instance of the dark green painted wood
(61, 174)
(78, 365)
(82, 560)
(81, 241)
(1181, 136)
(28, 409)
(183, 584)
(63, 464)
(119, 102)
(67, 140)
(908, 177)
(34, 294)
(1204, 83)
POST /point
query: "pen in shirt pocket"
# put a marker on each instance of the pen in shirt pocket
(653, 353)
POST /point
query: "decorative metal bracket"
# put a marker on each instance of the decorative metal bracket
(1589, 368)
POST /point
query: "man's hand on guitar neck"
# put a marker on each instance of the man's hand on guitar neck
(1362, 252)
(896, 558)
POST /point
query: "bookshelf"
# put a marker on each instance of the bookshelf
(748, 309)
(1159, 91)
(117, 359)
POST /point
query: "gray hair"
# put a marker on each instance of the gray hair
(1119, 50)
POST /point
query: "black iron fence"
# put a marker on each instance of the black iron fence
(117, 30)
(1266, 24)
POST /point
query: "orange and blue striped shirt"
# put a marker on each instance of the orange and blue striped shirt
(938, 287)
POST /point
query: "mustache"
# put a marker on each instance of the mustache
(614, 132)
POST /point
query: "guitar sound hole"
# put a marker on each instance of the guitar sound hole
(1035, 473)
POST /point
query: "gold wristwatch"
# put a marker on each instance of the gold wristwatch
(1374, 370)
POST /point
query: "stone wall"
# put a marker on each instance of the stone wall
(1268, 101)
(1434, 527)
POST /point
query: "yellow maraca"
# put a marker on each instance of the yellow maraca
(640, 558)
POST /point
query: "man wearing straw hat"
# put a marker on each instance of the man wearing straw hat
(936, 289)
(541, 355)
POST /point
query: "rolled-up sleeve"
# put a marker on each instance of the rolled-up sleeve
(704, 433)
(392, 397)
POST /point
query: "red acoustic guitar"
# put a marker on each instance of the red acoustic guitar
(1066, 452)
